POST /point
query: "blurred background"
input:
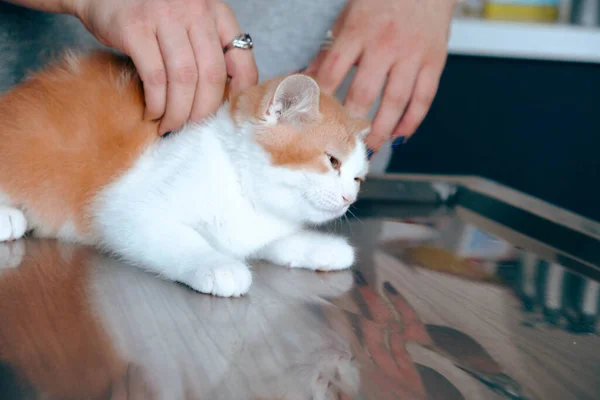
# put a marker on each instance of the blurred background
(518, 102)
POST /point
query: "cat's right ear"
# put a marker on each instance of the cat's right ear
(295, 101)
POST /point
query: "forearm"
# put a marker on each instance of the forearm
(54, 6)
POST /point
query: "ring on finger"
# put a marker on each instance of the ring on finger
(327, 40)
(242, 41)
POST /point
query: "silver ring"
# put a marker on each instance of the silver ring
(327, 41)
(242, 41)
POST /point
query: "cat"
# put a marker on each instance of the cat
(79, 163)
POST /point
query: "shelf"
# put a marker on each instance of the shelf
(525, 40)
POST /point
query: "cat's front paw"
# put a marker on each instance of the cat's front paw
(310, 250)
(329, 254)
(12, 224)
(227, 280)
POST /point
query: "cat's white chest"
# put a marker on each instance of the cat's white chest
(205, 191)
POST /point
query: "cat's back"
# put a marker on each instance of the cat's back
(68, 131)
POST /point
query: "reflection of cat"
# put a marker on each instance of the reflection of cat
(311, 361)
(11, 254)
(79, 163)
(50, 338)
(320, 374)
(265, 346)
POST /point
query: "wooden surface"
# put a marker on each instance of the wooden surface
(77, 325)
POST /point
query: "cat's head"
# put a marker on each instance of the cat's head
(315, 154)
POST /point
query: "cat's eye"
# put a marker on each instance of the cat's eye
(359, 180)
(335, 163)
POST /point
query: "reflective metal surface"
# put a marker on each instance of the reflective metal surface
(445, 303)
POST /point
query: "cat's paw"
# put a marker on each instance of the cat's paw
(310, 250)
(329, 254)
(228, 280)
(13, 224)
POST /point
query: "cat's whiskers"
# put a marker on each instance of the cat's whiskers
(327, 226)
(349, 224)
(354, 216)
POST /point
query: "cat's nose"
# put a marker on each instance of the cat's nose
(348, 199)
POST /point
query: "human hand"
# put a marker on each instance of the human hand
(403, 41)
(377, 323)
(177, 48)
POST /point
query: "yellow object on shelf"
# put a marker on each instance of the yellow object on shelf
(516, 11)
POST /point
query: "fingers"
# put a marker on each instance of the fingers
(378, 311)
(182, 75)
(240, 64)
(396, 95)
(414, 330)
(396, 371)
(314, 67)
(422, 98)
(183, 69)
(367, 83)
(414, 56)
(406, 367)
(338, 60)
(148, 60)
(212, 74)
(374, 341)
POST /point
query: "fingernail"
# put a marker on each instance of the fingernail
(390, 289)
(359, 279)
(369, 153)
(399, 141)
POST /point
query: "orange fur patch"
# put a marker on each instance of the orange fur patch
(50, 335)
(67, 132)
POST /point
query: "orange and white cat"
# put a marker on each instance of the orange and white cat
(79, 163)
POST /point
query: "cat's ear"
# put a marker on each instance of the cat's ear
(362, 127)
(364, 133)
(296, 101)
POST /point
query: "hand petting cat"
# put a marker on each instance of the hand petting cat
(401, 41)
(177, 48)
